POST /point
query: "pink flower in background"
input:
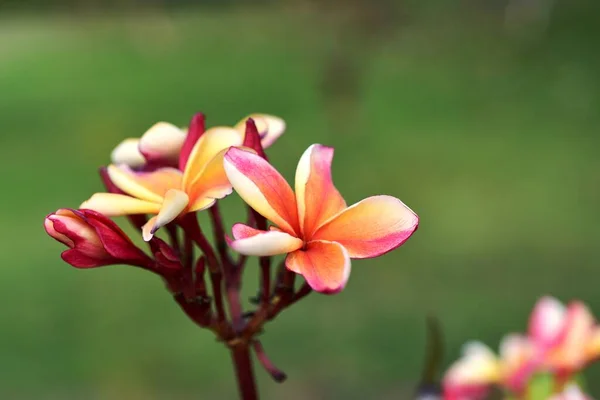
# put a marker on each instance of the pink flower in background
(472, 376)
(314, 227)
(93, 239)
(560, 342)
(568, 337)
(161, 145)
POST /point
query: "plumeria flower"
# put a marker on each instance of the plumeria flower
(93, 240)
(568, 337)
(472, 376)
(169, 192)
(571, 392)
(162, 144)
(314, 227)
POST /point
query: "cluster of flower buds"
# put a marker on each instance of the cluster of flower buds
(542, 364)
(164, 178)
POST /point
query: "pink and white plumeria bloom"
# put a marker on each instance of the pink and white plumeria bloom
(167, 192)
(162, 144)
(314, 227)
(568, 337)
(472, 376)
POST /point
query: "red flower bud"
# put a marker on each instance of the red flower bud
(252, 138)
(94, 240)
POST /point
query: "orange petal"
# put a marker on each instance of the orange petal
(254, 242)
(212, 182)
(127, 152)
(269, 127)
(324, 265)
(150, 186)
(370, 227)
(201, 203)
(204, 151)
(175, 203)
(113, 205)
(263, 188)
(317, 198)
(593, 347)
(571, 351)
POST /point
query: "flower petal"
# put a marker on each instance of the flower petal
(571, 352)
(269, 127)
(127, 152)
(593, 347)
(207, 147)
(324, 265)
(243, 231)
(174, 204)
(254, 242)
(194, 132)
(202, 203)
(317, 198)
(114, 240)
(49, 221)
(370, 227)
(69, 228)
(263, 188)
(113, 205)
(148, 229)
(546, 321)
(162, 143)
(80, 260)
(150, 186)
(473, 372)
(211, 183)
(519, 361)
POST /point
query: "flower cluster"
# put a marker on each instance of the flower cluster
(163, 179)
(560, 342)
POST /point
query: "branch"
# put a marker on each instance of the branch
(278, 375)
(190, 224)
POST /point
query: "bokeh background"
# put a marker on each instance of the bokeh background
(481, 115)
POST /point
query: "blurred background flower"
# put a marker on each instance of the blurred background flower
(483, 121)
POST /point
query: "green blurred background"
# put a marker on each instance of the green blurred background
(482, 116)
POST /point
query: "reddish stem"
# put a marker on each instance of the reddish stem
(219, 234)
(199, 283)
(304, 291)
(197, 312)
(276, 373)
(174, 239)
(232, 273)
(284, 292)
(265, 264)
(244, 372)
(190, 224)
(232, 285)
